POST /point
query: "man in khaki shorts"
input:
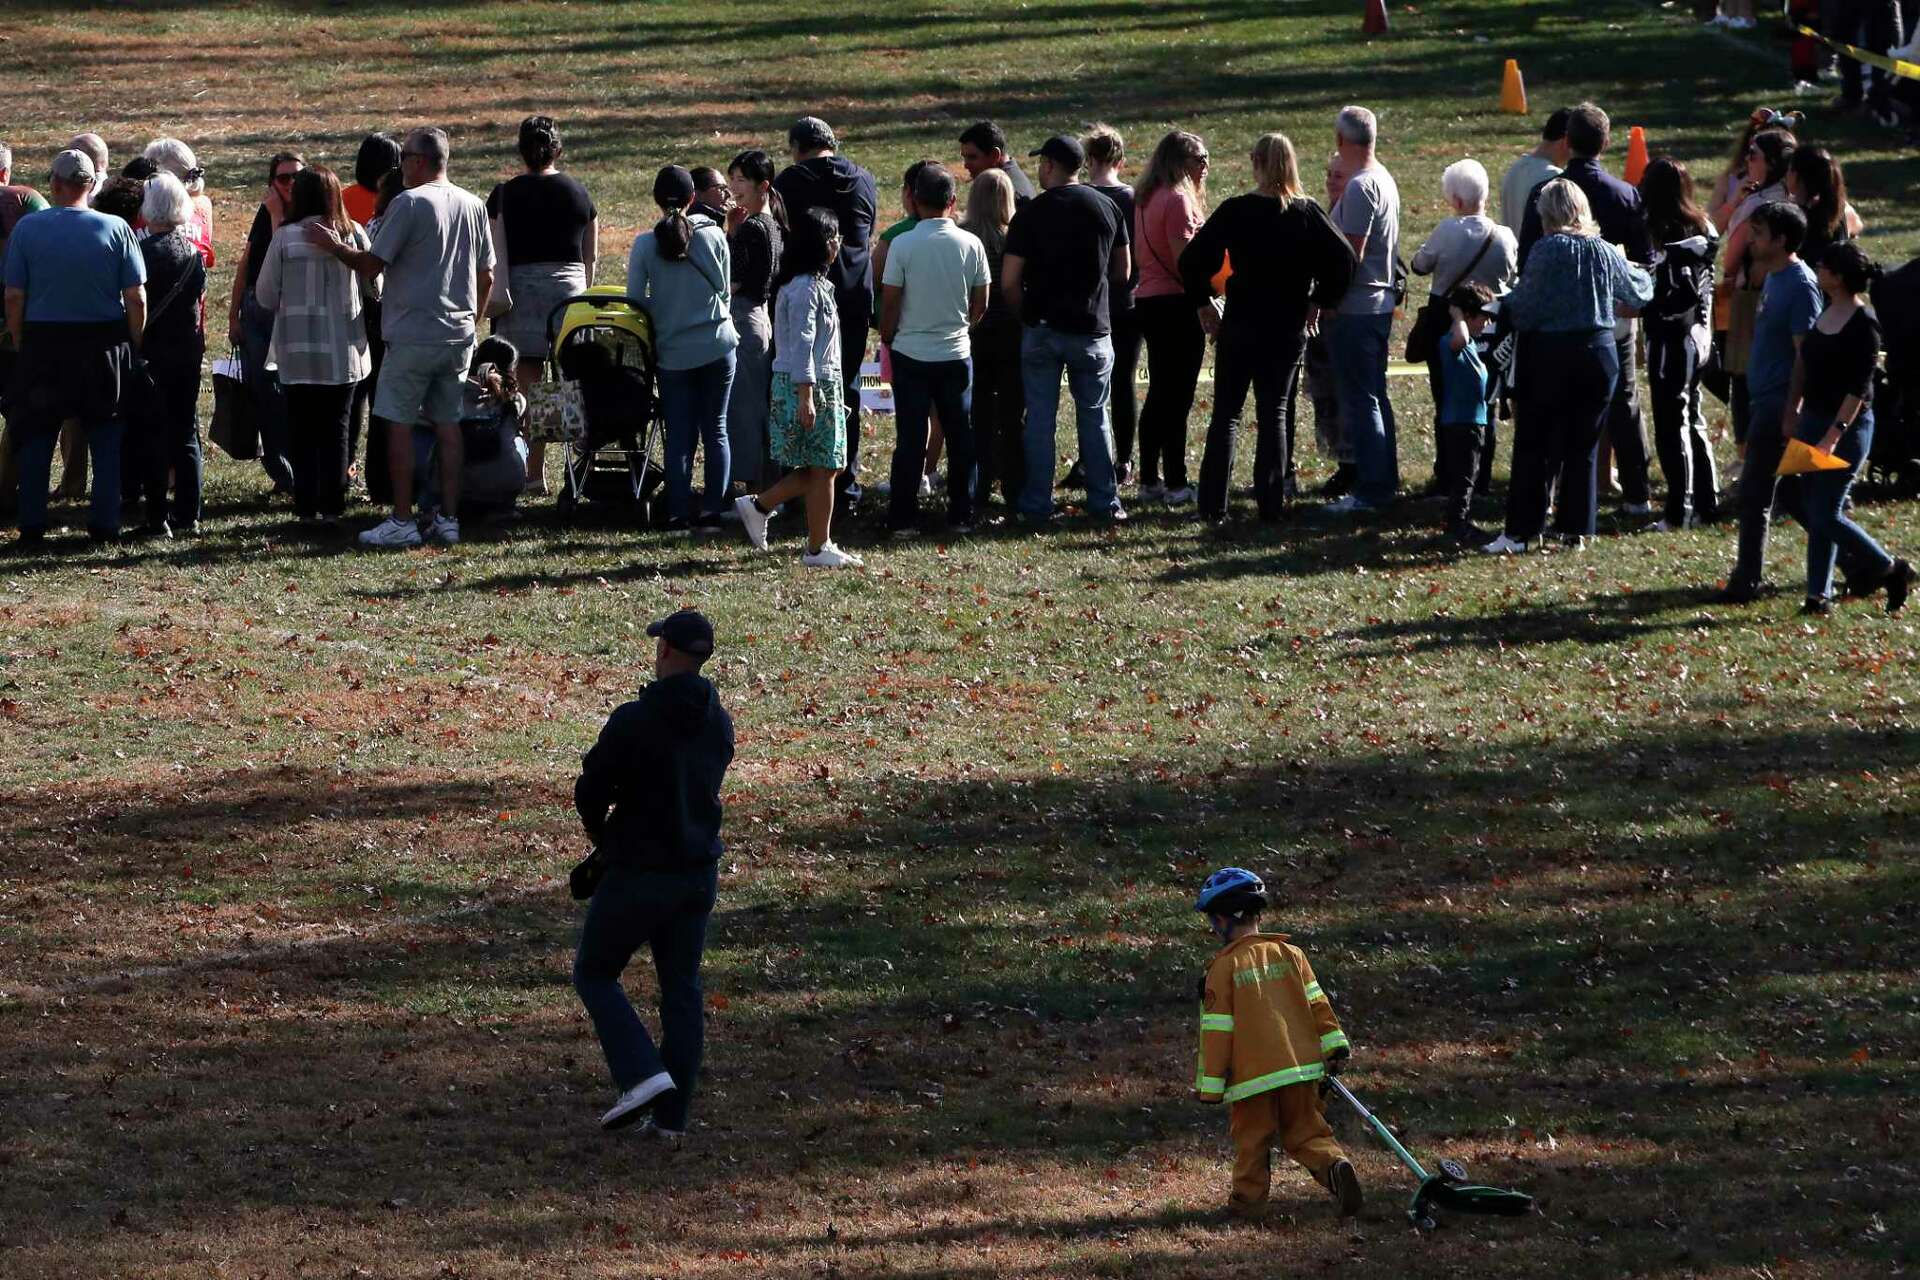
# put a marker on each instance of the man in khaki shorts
(437, 254)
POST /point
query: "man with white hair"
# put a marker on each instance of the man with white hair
(76, 309)
(436, 249)
(1468, 248)
(94, 147)
(1368, 213)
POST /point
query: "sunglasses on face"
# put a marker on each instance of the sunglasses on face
(284, 177)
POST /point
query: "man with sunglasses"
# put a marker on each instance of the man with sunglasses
(437, 253)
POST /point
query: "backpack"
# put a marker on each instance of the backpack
(1682, 281)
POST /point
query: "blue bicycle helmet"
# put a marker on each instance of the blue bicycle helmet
(1230, 891)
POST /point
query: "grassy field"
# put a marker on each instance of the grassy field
(1614, 889)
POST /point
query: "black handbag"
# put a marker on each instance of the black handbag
(234, 428)
(586, 876)
(1432, 319)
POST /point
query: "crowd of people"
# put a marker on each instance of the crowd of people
(359, 306)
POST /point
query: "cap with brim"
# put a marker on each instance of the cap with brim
(688, 631)
(810, 132)
(73, 166)
(1063, 150)
(673, 187)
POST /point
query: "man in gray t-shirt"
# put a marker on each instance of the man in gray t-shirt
(1368, 212)
(437, 254)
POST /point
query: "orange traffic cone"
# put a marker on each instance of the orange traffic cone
(1375, 22)
(1636, 155)
(1513, 91)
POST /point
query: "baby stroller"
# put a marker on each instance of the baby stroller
(1895, 462)
(603, 403)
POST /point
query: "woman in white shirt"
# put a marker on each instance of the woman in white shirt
(319, 341)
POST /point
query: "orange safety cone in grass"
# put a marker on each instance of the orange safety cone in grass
(1636, 156)
(1801, 457)
(1513, 90)
(1375, 23)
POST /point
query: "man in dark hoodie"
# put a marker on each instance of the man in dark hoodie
(820, 178)
(649, 795)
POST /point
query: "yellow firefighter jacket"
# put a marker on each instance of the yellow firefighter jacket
(1264, 1022)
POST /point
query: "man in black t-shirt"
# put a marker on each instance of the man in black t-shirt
(1067, 255)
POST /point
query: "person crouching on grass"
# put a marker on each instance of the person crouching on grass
(1463, 406)
(1267, 1038)
(649, 796)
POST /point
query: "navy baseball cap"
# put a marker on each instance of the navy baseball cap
(688, 631)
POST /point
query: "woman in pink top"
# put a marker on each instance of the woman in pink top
(1169, 205)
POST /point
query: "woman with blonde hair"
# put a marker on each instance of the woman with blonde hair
(1287, 257)
(170, 155)
(1568, 367)
(999, 398)
(1169, 205)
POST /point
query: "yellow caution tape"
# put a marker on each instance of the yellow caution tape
(1898, 66)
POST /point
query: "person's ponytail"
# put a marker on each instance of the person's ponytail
(673, 236)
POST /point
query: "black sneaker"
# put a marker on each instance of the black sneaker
(1343, 1184)
(1899, 585)
(1470, 536)
(1076, 477)
(1815, 607)
(1340, 482)
(1737, 593)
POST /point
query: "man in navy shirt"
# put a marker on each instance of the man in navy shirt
(1623, 221)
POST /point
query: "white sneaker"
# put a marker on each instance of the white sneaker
(651, 1132)
(1181, 497)
(752, 520)
(1347, 506)
(1505, 546)
(831, 557)
(1668, 526)
(445, 530)
(635, 1101)
(926, 486)
(391, 532)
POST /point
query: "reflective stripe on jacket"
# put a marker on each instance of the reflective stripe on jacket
(1264, 1021)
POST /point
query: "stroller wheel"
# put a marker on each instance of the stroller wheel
(1453, 1171)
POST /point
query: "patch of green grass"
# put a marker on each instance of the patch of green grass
(1579, 856)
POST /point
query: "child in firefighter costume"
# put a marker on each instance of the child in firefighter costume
(1267, 1038)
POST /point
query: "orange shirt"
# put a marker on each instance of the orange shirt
(359, 202)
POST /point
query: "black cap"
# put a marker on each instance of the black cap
(688, 631)
(1063, 150)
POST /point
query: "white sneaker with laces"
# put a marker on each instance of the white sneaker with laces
(831, 557)
(445, 530)
(391, 532)
(1505, 546)
(634, 1102)
(752, 520)
(1181, 497)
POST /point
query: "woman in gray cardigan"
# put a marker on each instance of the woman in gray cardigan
(804, 422)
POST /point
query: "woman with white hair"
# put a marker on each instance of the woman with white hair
(174, 341)
(1563, 310)
(1468, 248)
(175, 157)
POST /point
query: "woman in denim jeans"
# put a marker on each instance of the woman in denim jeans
(682, 270)
(1830, 406)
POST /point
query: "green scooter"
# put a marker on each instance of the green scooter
(1447, 1189)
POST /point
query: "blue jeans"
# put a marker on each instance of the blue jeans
(1823, 498)
(920, 386)
(36, 468)
(667, 912)
(1357, 348)
(694, 402)
(1088, 361)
